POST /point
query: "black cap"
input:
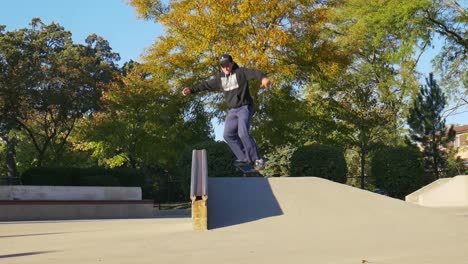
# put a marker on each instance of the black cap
(225, 59)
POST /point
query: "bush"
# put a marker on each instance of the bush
(99, 180)
(279, 161)
(69, 176)
(63, 176)
(128, 177)
(455, 164)
(398, 170)
(322, 161)
(219, 157)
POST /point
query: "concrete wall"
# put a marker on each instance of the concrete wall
(68, 210)
(446, 192)
(26, 203)
(24, 192)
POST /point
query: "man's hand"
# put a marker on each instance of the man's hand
(265, 83)
(186, 91)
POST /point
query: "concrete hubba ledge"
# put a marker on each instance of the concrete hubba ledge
(445, 192)
(199, 190)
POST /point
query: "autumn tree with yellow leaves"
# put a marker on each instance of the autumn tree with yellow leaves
(279, 37)
(286, 39)
(323, 53)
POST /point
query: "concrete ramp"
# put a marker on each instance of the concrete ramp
(299, 202)
(445, 192)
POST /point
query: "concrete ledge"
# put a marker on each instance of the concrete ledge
(417, 195)
(29, 192)
(33, 210)
(446, 192)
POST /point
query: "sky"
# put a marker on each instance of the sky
(116, 21)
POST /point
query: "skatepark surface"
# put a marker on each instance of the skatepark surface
(256, 220)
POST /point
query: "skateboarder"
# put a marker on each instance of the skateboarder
(233, 82)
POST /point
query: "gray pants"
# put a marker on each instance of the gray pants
(237, 136)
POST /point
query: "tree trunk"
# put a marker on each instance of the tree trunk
(40, 158)
(363, 166)
(10, 158)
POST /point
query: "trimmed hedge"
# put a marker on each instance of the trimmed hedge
(279, 161)
(322, 161)
(398, 171)
(69, 176)
(219, 156)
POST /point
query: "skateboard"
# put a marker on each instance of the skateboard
(248, 170)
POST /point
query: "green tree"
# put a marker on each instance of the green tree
(427, 127)
(16, 74)
(412, 27)
(142, 123)
(361, 119)
(447, 18)
(281, 118)
(365, 104)
(63, 82)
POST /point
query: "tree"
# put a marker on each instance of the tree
(367, 100)
(319, 52)
(16, 74)
(427, 127)
(266, 31)
(51, 82)
(281, 118)
(142, 123)
(359, 117)
(447, 18)
(446, 21)
(279, 37)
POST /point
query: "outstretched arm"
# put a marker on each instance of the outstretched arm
(252, 74)
(211, 85)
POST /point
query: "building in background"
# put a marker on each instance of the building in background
(461, 142)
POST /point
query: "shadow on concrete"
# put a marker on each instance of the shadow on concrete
(25, 254)
(173, 213)
(172, 216)
(233, 201)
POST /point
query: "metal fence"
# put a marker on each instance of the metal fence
(7, 180)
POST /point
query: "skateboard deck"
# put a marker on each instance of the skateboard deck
(248, 170)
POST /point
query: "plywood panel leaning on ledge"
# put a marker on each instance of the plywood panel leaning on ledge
(199, 190)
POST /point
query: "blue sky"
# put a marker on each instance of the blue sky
(116, 22)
